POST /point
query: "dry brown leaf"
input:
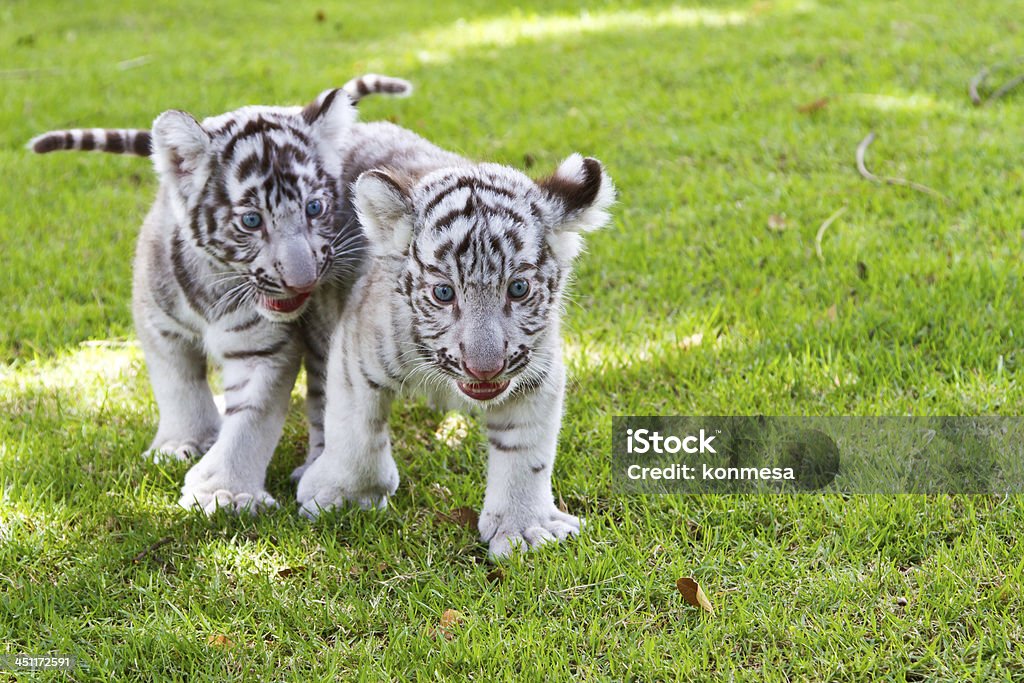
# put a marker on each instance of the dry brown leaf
(220, 641)
(777, 222)
(832, 313)
(449, 620)
(694, 594)
(814, 106)
(285, 572)
(464, 517)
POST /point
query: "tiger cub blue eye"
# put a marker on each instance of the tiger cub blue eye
(252, 220)
(314, 208)
(444, 293)
(517, 289)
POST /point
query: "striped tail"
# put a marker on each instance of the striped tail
(139, 141)
(122, 141)
(376, 84)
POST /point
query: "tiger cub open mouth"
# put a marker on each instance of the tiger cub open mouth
(286, 305)
(483, 391)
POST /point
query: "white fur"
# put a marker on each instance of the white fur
(373, 357)
(384, 212)
(181, 154)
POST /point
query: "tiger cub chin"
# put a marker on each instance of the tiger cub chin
(250, 219)
(461, 300)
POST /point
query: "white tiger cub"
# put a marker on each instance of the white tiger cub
(462, 299)
(250, 219)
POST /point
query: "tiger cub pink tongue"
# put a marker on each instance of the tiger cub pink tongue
(483, 391)
(286, 305)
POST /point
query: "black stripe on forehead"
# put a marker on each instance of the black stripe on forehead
(443, 249)
(445, 222)
(284, 184)
(475, 208)
(247, 167)
(225, 128)
(251, 196)
(507, 211)
(481, 248)
(277, 173)
(267, 129)
(474, 184)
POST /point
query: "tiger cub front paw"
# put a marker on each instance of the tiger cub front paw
(508, 531)
(176, 451)
(323, 487)
(209, 490)
(239, 502)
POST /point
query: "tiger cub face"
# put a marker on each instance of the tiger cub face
(483, 254)
(258, 191)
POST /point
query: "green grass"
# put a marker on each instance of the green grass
(915, 309)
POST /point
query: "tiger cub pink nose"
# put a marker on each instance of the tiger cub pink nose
(300, 287)
(483, 374)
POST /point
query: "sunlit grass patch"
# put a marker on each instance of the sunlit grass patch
(443, 44)
(96, 377)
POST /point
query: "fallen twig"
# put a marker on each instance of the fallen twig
(862, 149)
(29, 73)
(156, 546)
(1005, 88)
(975, 83)
(572, 589)
(132, 63)
(972, 86)
(821, 231)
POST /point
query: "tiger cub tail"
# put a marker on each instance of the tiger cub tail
(116, 141)
(376, 84)
(139, 141)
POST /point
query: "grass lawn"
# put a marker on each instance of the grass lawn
(725, 176)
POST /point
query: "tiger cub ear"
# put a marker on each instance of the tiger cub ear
(579, 194)
(181, 151)
(330, 115)
(385, 211)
